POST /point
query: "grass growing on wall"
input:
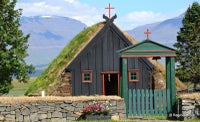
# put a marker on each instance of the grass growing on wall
(51, 76)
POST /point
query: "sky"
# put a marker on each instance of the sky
(130, 13)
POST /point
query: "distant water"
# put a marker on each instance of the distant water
(37, 73)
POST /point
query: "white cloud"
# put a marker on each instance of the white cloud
(39, 8)
(138, 18)
(69, 8)
(70, 1)
(89, 14)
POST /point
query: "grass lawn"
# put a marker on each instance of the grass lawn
(192, 120)
(19, 88)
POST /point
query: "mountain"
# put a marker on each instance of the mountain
(48, 35)
(164, 32)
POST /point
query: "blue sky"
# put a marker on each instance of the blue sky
(131, 13)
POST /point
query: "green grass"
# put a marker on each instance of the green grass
(19, 88)
(106, 121)
(192, 120)
(51, 76)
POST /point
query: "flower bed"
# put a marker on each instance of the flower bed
(97, 111)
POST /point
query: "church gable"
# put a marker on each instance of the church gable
(99, 61)
(104, 44)
(147, 48)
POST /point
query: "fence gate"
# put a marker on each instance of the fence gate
(148, 102)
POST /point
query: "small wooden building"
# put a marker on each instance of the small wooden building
(95, 70)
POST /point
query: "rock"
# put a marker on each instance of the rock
(45, 120)
(120, 105)
(34, 117)
(27, 119)
(42, 116)
(188, 101)
(2, 117)
(2, 108)
(20, 118)
(25, 111)
(58, 120)
(115, 117)
(10, 117)
(71, 118)
(70, 108)
(187, 107)
(78, 113)
(113, 103)
(56, 114)
(48, 115)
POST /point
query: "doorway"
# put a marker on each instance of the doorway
(110, 83)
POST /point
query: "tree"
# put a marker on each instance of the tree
(13, 47)
(188, 46)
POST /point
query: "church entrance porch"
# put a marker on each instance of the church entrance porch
(110, 83)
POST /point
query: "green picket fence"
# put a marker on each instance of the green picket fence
(148, 102)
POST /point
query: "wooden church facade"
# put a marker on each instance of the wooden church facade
(96, 69)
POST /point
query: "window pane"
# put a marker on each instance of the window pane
(133, 75)
(87, 76)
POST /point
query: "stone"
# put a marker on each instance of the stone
(12, 112)
(48, 115)
(10, 117)
(8, 108)
(28, 105)
(187, 107)
(80, 105)
(78, 113)
(56, 114)
(120, 105)
(58, 109)
(188, 101)
(19, 118)
(58, 120)
(2, 108)
(27, 119)
(188, 113)
(71, 118)
(70, 114)
(115, 117)
(34, 109)
(42, 116)
(74, 104)
(45, 120)
(70, 108)
(51, 104)
(17, 112)
(113, 103)
(122, 116)
(34, 117)
(63, 105)
(25, 111)
(64, 115)
(2, 117)
(43, 108)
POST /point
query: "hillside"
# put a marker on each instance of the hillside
(164, 32)
(48, 35)
(50, 77)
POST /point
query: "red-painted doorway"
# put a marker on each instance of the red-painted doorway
(110, 83)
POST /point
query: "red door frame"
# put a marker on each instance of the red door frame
(103, 81)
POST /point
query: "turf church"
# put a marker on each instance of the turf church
(96, 69)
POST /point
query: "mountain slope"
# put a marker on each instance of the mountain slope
(164, 32)
(48, 35)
